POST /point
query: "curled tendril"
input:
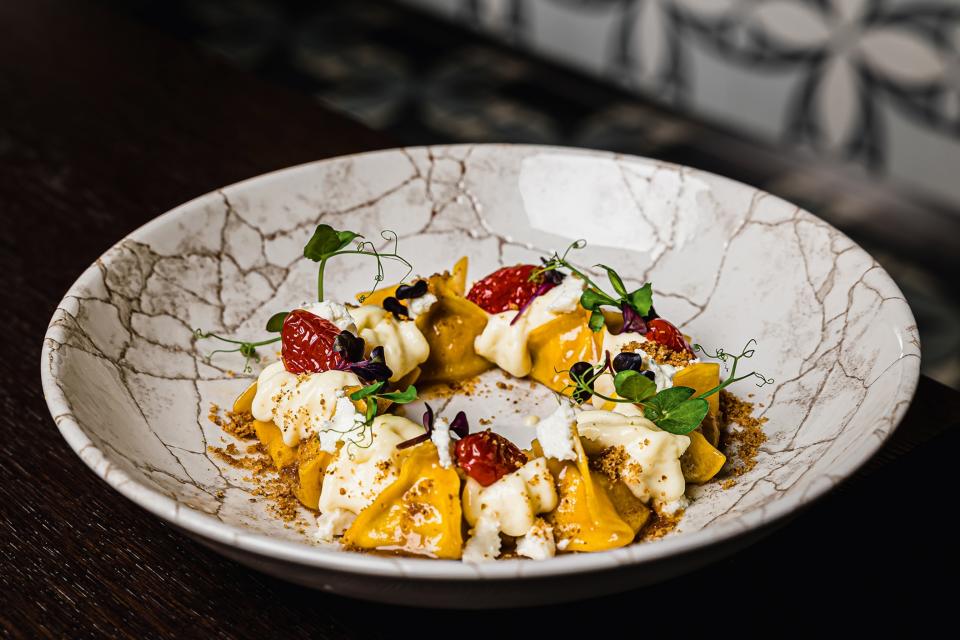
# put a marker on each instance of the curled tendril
(247, 349)
(576, 244)
(362, 436)
(367, 248)
(747, 352)
(557, 261)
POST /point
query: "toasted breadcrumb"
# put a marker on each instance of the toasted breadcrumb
(466, 387)
(743, 443)
(238, 424)
(279, 491)
(661, 354)
(660, 525)
(278, 487)
(614, 462)
(258, 462)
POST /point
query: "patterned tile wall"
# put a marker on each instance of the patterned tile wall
(875, 82)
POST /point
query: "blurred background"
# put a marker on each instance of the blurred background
(850, 108)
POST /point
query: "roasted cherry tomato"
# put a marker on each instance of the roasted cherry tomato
(307, 342)
(659, 330)
(488, 456)
(507, 288)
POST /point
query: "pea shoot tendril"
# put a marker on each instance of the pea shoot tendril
(674, 409)
(325, 243)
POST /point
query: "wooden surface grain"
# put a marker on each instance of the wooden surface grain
(103, 126)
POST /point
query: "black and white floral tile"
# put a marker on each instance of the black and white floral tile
(873, 81)
(862, 91)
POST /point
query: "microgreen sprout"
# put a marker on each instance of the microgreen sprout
(372, 392)
(328, 242)
(459, 426)
(325, 243)
(747, 352)
(674, 409)
(635, 305)
(247, 349)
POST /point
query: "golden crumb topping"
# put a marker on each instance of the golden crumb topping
(239, 424)
(616, 464)
(661, 524)
(661, 354)
(746, 440)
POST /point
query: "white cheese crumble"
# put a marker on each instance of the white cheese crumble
(674, 506)
(510, 505)
(538, 543)
(332, 524)
(566, 295)
(346, 422)
(333, 312)
(440, 436)
(419, 306)
(555, 433)
(484, 542)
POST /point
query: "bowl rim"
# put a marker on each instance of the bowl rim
(211, 529)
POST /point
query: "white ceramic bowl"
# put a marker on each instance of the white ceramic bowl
(129, 387)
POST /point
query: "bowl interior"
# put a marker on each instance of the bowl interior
(131, 389)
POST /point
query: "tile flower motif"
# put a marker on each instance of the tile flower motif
(846, 60)
(852, 54)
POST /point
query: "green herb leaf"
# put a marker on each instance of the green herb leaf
(641, 299)
(275, 323)
(596, 320)
(591, 299)
(401, 397)
(325, 241)
(634, 386)
(371, 412)
(683, 418)
(368, 390)
(615, 280)
(675, 411)
(670, 398)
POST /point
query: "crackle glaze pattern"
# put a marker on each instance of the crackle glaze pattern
(129, 387)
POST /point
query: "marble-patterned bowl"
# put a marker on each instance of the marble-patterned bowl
(130, 387)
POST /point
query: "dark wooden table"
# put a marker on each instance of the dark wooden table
(104, 125)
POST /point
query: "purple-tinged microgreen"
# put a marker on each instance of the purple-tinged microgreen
(594, 298)
(459, 425)
(373, 368)
(542, 289)
(547, 280)
(349, 346)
